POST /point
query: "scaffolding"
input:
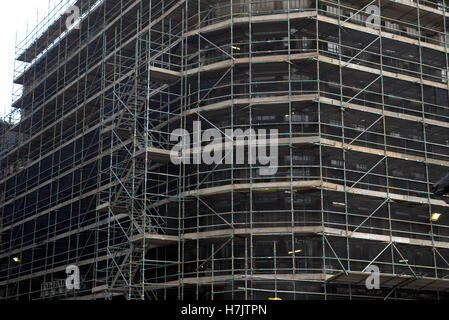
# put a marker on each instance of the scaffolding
(357, 89)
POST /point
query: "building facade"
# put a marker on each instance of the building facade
(358, 91)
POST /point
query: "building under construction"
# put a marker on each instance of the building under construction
(357, 89)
